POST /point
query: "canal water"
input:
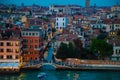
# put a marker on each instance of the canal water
(63, 75)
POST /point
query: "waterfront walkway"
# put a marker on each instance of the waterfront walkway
(79, 64)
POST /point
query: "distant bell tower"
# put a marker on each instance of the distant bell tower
(87, 3)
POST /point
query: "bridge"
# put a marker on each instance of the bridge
(53, 66)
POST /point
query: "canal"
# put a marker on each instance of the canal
(63, 75)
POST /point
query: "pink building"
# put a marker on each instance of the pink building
(10, 49)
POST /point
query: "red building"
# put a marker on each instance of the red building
(32, 44)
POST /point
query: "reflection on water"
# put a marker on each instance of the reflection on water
(64, 75)
(21, 75)
(72, 76)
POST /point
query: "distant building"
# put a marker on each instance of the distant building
(115, 8)
(87, 3)
(116, 24)
(64, 9)
(59, 9)
(116, 49)
(61, 22)
(32, 44)
(113, 33)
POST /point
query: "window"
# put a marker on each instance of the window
(31, 52)
(9, 44)
(17, 57)
(25, 40)
(17, 50)
(35, 58)
(9, 56)
(1, 43)
(1, 57)
(36, 41)
(33, 34)
(36, 34)
(25, 52)
(16, 43)
(30, 46)
(36, 46)
(31, 40)
(29, 34)
(23, 34)
(1, 50)
(26, 34)
(63, 24)
(9, 50)
(57, 24)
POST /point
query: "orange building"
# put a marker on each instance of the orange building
(32, 44)
(10, 49)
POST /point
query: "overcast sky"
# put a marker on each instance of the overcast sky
(62, 2)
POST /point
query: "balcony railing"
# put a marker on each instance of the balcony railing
(23, 48)
(37, 48)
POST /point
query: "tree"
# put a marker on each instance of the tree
(101, 48)
(102, 36)
(118, 33)
(79, 48)
(71, 50)
(66, 51)
(62, 50)
(53, 30)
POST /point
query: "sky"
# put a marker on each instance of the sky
(61, 2)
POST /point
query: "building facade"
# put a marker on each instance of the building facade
(10, 54)
(10, 49)
(61, 22)
(115, 8)
(32, 44)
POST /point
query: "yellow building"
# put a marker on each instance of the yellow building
(24, 19)
(52, 24)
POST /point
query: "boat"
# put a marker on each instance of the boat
(42, 75)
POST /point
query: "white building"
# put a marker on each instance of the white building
(64, 9)
(59, 9)
(116, 53)
(116, 49)
(61, 22)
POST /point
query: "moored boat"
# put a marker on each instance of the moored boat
(41, 75)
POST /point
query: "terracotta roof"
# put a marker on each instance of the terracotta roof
(67, 37)
(12, 38)
(116, 21)
(107, 21)
(93, 22)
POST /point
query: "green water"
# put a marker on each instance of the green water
(63, 75)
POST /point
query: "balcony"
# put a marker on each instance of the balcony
(24, 48)
(37, 48)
